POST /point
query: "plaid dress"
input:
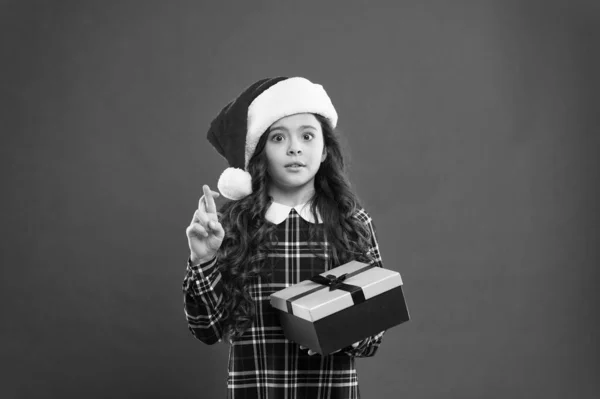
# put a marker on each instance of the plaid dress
(263, 364)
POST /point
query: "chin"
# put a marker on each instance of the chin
(289, 184)
(294, 185)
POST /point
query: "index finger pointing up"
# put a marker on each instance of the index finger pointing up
(209, 200)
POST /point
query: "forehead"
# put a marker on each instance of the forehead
(294, 121)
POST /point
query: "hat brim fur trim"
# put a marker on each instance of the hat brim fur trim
(288, 97)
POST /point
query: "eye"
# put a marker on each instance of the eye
(278, 137)
(308, 136)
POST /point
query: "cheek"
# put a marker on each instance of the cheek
(271, 161)
(269, 155)
(320, 152)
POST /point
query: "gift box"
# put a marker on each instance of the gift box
(342, 306)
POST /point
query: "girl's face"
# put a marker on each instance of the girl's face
(294, 151)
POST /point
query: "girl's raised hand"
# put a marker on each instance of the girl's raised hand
(205, 233)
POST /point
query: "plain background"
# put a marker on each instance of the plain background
(472, 129)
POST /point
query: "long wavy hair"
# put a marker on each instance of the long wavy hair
(248, 236)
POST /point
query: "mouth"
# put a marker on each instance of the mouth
(295, 165)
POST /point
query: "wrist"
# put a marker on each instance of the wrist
(195, 260)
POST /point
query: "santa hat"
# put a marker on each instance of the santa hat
(235, 132)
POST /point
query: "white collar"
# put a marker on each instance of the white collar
(277, 212)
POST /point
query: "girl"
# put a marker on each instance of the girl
(291, 215)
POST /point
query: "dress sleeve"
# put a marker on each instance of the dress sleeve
(203, 297)
(368, 346)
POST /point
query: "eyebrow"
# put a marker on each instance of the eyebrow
(284, 128)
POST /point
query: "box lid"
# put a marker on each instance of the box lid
(313, 301)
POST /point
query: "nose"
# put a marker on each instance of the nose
(294, 148)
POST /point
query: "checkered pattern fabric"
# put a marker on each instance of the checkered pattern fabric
(262, 362)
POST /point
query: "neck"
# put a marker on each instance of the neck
(292, 197)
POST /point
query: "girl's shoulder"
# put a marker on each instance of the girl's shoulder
(362, 215)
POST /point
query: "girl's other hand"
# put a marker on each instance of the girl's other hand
(311, 352)
(205, 233)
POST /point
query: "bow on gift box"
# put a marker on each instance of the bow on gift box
(330, 280)
(334, 283)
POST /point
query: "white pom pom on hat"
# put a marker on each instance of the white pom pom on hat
(235, 183)
(235, 132)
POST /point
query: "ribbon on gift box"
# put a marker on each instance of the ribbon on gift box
(330, 280)
(334, 283)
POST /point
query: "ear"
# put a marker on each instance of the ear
(324, 154)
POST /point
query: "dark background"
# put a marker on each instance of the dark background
(473, 133)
